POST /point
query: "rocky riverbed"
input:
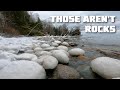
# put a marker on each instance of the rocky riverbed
(56, 57)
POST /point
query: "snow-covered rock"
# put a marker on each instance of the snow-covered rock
(22, 70)
(7, 56)
(4, 63)
(2, 47)
(26, 56)
(40, 53)
(61, 56)
(52, 39)
(29, 51)
(38, 49)
(12, 51)
(11, 47)
(45, 45)
(49, 48)
(58, 42)
(76, 52)
(65, 44)
(106, 67)
(62, 48)
(35, 45)
(62, 51)
(48, 62)
(54, 44)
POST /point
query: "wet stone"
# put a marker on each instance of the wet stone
(86, 72)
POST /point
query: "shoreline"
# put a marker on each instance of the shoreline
(81, 63)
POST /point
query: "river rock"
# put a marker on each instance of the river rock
(45, 45)
(65, 72)
(65, 44)
(4, 63)
(65, 52)
(21, 51)
(73, 44)
(86, 72)
(7, 56)
(52, 39)
(28, 47)
(38, 49)
(22, 70)
(35, 45)
(47, 61)
(58, 42)
(106, 67)
(12, 47)
(12, 51)
(65, 38)
(61, 56)
(49, 48)
(26, 56)
(54, 44)
(76, 52)
(62, 48)
(40, 53)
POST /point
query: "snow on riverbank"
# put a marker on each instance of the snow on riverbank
(27, 50)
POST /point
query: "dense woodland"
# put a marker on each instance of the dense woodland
(21, 23)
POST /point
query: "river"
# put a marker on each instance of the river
(106, 40)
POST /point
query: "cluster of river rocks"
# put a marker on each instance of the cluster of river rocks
(36, 60)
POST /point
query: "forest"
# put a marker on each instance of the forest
(22, 23)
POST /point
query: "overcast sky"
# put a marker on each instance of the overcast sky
(45, 15)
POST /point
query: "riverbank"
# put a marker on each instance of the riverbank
(23, 53)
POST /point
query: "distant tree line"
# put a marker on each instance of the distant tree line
(21, 23)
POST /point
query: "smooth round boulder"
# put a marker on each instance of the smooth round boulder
(106, 67)
(49, 48)
(29, 51)
(52, 39)
(76, 52)
(61, 56)
(12, 51)
(73, 44)
(7, 56)
(22, 70)
(62, 48)
(47, 61)
(12, 47)
(38, 49)
(65, 44)
(45, 45)
(58, 42)
(27, 47)
(62, 51)
(35, 46)
(65, 72)
(54, 44)
(40, 53)
(26, 56)
(4, 63)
